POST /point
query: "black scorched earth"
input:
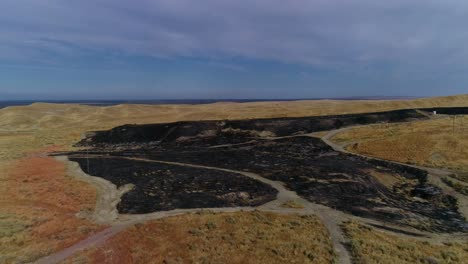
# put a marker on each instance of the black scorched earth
(279, 149)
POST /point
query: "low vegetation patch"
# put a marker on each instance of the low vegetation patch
(38, 207)
(461, 176)
(242, 237)
(434, 143)
(369, 245)
(292, 204)
(463, 189)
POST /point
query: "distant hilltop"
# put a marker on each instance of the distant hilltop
(40, 116)
(193, 101)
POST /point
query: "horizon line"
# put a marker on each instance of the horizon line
(374, 97)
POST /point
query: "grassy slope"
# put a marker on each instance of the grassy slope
(432, 143)
(252, 237)
(371, 246)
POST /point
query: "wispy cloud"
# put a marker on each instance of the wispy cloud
(328, 33)
(365, 40)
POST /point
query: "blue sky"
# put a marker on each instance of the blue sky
(275, 49)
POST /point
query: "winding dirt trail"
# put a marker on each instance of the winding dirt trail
(330, 217)
(434, 175)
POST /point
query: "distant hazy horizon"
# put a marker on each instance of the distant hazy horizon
(212, 99)
(5, 103)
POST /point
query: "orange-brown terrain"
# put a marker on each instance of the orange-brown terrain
(39, 205)
(254, 237)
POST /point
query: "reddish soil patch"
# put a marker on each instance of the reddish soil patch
(44, 202)
(241, 237)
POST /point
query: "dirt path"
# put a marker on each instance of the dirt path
(91, 241)
(108, 195)
(434, 175)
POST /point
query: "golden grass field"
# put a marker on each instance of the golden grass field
(432, 143)
(41, 203)
(242, 237)
(369, 245)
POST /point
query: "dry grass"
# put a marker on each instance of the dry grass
(38, 201)
(457, 186)
(242, 237)
(38, 204)
(432, 143)
(369, 245)
(463, 177)
(387, 179)
(292, 204)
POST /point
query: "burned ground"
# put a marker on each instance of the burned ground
(448, 110)
(159, 186)
(321, 175)
(305, 164)
(236, 131)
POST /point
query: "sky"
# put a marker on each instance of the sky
(237, 49)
